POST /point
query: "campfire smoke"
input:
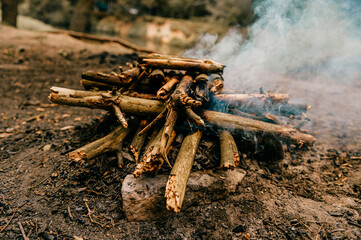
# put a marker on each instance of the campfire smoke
(310, 49)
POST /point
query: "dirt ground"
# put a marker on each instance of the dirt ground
(315, 194)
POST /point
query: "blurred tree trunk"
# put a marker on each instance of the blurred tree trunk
(9, 10)
(80, 18)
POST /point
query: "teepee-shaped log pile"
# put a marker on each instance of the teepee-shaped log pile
(159, 93)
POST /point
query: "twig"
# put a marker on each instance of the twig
(69, 212)
(152, 123)
(22, 231)
(89, 212)
(11, 218)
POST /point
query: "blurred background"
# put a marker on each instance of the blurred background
(168, 26)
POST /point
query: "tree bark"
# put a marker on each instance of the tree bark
(9, 10)
(178, 178)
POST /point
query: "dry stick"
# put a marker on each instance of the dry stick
(105, 78)
(180, 96)
(120, 156)
(22, 231)
(168, 130)
(136, 82)
(272, 118)
(178, 178)
(157, 75)
(91, 99)
(153, 157)
(217, 84)
(233, 122)
(138, 141)
(69, 212)
(118, 113)
(165, 91)
(176, 101)
(229, 151)
(194, 118)
(130, 74)
(111, 142)
(183, 64)
(160, 56)
(223, 120)
(11, 218)
(155, 120)
(88, 85)
(240, 98)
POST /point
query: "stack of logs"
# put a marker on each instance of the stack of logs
(160, 95)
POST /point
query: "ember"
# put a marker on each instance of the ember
(175, 91)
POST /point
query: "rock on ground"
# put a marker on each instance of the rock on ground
(143, 198)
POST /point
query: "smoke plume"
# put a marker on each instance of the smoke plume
(309, 48)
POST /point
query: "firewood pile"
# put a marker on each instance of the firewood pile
(160, 96)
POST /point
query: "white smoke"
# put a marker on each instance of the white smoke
(309, 48)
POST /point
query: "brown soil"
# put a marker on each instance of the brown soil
(314, 194)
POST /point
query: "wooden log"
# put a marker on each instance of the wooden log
(152, 107)
(237, 99)
(112, 142)
(233, 122)
(106, 78)
(165, 91)
(229, 151)
(217, 84)
(178, 178)
(104, 100)
(154, 157)
(129, 75)
(207, 66)
(180, 96)
(138, 141)
(161, 56)
(157, 75)
(89, 85)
